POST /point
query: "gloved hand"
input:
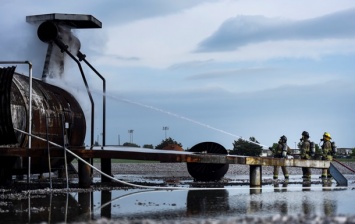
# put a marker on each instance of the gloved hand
(283, 154)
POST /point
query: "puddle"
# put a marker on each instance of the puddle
(232, 201)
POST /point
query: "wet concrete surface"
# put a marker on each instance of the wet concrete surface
(230, 200)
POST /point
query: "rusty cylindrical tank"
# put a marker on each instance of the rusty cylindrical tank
(49, 104)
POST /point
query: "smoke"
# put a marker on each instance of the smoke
(19, 42)
(56, 59)
(62, 71)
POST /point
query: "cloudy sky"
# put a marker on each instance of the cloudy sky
(211, 70)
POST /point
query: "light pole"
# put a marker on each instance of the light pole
(165, 128)
(130, 135)
(119, 140)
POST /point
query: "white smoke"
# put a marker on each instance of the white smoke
(64, 72)
(19, 42)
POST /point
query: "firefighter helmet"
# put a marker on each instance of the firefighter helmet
(327, 135)
(305, 134)
(283, 139)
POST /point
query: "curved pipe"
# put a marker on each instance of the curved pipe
(49, 31)
(82, 57)
(64, 47)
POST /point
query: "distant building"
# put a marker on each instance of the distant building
(344, 151)
(296, 152)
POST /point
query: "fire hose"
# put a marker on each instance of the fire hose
(344, 165)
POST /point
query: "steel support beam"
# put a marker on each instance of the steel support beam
(84, 174)
(106, 168)
(255, 175)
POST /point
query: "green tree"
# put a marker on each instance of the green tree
(318, 150)
(148, 146)
(352, 154)
(273, 148)
(166, 142)
(128, 144)
(247, 148)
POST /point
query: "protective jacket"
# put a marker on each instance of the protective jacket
(306, 149)
(282, 150)
(327, 151)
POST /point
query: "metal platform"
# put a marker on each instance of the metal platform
(77, 21)
(165, 156)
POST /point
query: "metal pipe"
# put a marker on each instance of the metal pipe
(29, 207)
(48, 32)
(49, 155)
(65, 153)
(82, 57)
(344, 165)
(29, 109)
(64, 48)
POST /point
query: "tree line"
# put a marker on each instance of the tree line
(241, 146)
(164, 143)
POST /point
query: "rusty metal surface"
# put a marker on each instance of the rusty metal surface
(49, 103)
(267, 161)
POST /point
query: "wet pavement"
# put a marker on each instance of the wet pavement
(228, 201)
(125, 204)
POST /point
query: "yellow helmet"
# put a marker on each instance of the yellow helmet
(327, 135)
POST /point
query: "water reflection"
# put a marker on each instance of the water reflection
(207, 202)
(41, 208)
(278, 187)
(306, 185)
(280, 198)
(106, 197)
(85, 205)
(281, 205)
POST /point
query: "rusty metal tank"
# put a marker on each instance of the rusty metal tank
(49, 105)
(56, 116)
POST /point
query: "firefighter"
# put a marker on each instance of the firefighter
(307, 150)
(328, 150)
(281, 151)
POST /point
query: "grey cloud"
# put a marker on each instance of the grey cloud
(191, 64)
(228, 73)
(127, 11)
(244, 30)
(122, 58)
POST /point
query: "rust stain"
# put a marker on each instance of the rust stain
(166, 157)
(49, 103)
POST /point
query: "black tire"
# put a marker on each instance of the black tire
(208, 171)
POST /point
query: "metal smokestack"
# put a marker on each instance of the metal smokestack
(47, 31)
(55, 29)
(50, 32)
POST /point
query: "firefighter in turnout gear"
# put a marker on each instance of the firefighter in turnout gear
(328, 150)
(281, 151)
(307, 151)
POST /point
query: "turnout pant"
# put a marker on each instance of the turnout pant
(284, 171)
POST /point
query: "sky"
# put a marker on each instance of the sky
(209, 70)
